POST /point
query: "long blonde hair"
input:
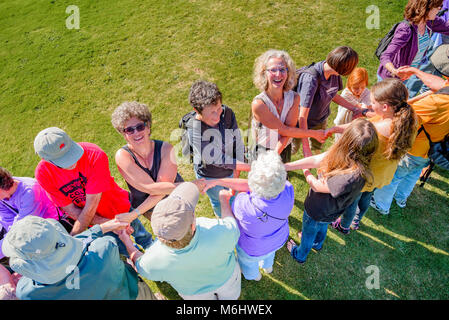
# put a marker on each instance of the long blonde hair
(393, 93)
(352, 152)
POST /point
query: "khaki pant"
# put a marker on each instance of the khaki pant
(145, 292)
(315, 145)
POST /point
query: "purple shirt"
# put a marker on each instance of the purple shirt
(403, 47)
(28, 199)
(267, 234)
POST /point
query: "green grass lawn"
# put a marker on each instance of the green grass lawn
(152, 51)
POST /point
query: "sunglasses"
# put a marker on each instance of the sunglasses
(138, 127)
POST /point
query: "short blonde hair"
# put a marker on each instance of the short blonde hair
(259, 76)
(179, 244)
(128, 110)
(267, 176)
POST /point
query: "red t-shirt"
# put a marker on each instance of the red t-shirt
(90, 176)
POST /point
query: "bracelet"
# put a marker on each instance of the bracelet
(137, 211)
(131, 256)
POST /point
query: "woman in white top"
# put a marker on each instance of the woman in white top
(275, 110)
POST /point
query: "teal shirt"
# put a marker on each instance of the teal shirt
(203, 266)
(102, 275)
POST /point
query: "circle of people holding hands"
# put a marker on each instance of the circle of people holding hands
(72, 233)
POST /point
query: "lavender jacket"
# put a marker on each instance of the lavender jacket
(404, 45)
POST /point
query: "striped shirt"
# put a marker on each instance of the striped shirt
(423, 44)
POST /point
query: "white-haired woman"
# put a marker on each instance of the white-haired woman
(261, 209)
(275, 110)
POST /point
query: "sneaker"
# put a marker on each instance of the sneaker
(336, 225)
(373, 204)
(355, 225)
(401, 203)
(258, 277)
(268, 270)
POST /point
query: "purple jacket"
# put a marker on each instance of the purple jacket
(404, 45)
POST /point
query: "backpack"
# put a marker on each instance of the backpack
(386, 40)
(187, 122)
(439, 151)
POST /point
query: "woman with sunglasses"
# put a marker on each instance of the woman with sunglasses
(261, 209)
(412, 39)
(274, 112)
(148, 166)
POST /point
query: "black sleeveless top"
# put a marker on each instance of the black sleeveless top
(137, 196)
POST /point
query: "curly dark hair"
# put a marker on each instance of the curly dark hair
(6, 180)
(203, 94)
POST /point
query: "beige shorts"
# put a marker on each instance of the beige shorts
(145, 292)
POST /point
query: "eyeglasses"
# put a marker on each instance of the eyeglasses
(275, 70)
(138, 127)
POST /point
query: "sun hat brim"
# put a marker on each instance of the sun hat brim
(52, 268)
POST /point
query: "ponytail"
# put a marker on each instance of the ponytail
(403, 129)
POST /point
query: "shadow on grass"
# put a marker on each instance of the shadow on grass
(437, 183)
(167, 290)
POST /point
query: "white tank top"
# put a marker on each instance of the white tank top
(262, 135)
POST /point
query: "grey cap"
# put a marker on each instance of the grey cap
(54, 145)
(173, 216)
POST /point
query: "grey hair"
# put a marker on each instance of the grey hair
(260, 65)
(128, 110)
(267, 176)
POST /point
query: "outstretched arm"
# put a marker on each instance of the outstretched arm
(316, 184)
(240, 185)
(435, 83)
(305, 163)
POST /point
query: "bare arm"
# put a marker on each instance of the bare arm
(166, 176)
(138, 178)
(86, 214)
(338, 99)
(263, 115)
(240, 185)
(224, 197)
(309, 162)
(435, 83)
(316, 185)
(419, 97)
(302, 123)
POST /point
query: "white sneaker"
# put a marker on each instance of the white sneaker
(269, 270)
(259, 277)
(401, 203)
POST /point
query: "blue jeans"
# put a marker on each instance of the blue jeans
(356, 210)
(212, 193)
(313, 236)
(141, 236)
(404, 180)
(250, 265)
